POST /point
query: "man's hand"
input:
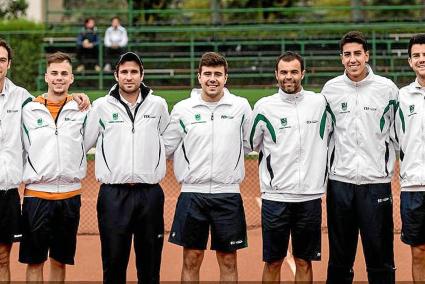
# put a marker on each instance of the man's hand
(82, 101)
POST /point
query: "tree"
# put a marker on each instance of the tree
(12, 9)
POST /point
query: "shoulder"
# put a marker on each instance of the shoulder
(334, 82)
(265, 100)
(380, 80)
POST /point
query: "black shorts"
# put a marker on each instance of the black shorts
(49, 226)
(196, 212)
(10, 216)
(412, 209)
(300, 219)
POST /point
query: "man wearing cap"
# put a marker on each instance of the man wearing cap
(126, 126)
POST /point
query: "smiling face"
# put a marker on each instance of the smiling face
(212, 80)
(4, 65)
(58, 78)
(289, 76)
(354, 59)
(129, 78)
(417, 61)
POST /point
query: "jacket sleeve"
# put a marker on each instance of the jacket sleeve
(107, 39)
(246, 127)
(124, 38)
(173, 134)
(256, 133)
(92, 129)
(394, 99)
(165, 117)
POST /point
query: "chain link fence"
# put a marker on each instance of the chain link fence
(249, 190)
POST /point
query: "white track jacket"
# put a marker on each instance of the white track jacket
(410, 132)
(290, 132)
(128, 149)
(11, 150)
(208, 146)
(56, 157)
(362, 147)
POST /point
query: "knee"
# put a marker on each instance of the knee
(301, 264)
(274, 265)
(4, 260)
(57, 264)
(418, 254)
(227, 261)
(192, 259)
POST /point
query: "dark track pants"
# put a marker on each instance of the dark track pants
(125, 210)
(366, 208)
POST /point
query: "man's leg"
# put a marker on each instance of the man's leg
(418, 262)
(375, 215)
(228, 264)
(148, 232)
(114, 213)
(304, 270)
(5, 262)
(57, 271)
(342, 232)
(192, 260)
(35, 272)
(271, 271)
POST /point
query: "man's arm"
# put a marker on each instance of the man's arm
(173, 134)
(165, 117)
(256, 132)
(82, 101)
(92, 129)
(246, 127)
(124, 39)
(107, 40)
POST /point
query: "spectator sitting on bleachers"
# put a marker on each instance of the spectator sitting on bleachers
(115, 43)
(87, 46)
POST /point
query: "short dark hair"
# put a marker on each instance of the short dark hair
(88, 19)
(58, 57)
(6, 46)
(289, 56)
(115, 17)
(416, 39)
(212, 59)
(353, 36)
(129, 57)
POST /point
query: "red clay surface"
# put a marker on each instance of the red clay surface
(88, 262)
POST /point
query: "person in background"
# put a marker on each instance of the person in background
(115, 42)
(88, 46)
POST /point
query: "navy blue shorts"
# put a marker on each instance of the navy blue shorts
(412, 209)
(197, 212)
(49, 226)
(10, 216)
(301, 220)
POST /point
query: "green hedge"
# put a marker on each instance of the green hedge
(26, 50)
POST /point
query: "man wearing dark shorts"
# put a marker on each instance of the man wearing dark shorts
(290, 131)
(130, 162)
(206, 137)
(361, 164)
(410, 132)
(11, 99)
(55, 164)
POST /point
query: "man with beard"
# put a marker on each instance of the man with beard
(130, 162)
(290, 131)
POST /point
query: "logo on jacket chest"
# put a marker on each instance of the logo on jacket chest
(344, 107)
(284, 123)
(412, 110)
(116, 118)
(198, 119)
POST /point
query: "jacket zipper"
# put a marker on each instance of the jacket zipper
(212, 149)
(299, 146)
(357, 117)
(57, 140)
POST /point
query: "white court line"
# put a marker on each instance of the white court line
(289, 257)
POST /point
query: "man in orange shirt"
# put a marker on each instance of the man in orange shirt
(53, 132)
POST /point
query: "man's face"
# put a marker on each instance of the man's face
(417, 60)
(4, 63)
(289, 76)
(212, 80)
(115, 23)
(90, 24)
(354, 59)
(59, 77)
(129, 77)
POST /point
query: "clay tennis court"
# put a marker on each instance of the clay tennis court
(88, 261)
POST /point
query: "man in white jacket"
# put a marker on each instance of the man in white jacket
(206, 137)
(290, 131)
(410, 123)
(11, 99)
(116, 40)
(361, 164)
(55, 163)
(126, 126)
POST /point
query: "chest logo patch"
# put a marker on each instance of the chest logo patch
(115, 116)
(197, 117)
(39, 121)
(344, 106)
(283, 121)
(412, 108)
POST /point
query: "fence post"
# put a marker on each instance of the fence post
(374, 49)
(192, 60)
(130, 13)
(100, 60)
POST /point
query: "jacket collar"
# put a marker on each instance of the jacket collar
(114, 92)
(416, 88)
(195, 94)
(291, 98)
(365, 81)
(7, 87)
